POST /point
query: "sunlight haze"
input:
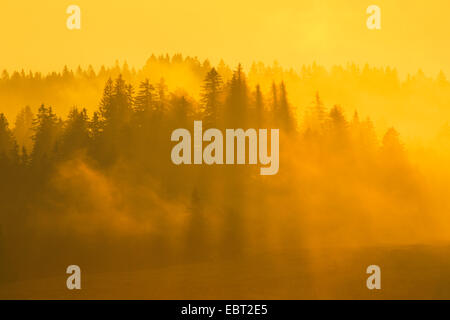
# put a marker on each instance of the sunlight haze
(294, 33)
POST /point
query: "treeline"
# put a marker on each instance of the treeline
(379, 92)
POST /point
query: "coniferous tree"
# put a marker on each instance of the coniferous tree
(95, 126)
(284, 113)
(337, 118)
(116, 108)
(237, 100)
(161, 104)
(121, 102)
(337, 128)
(315, 116)
(46, 128)
(76, 132)
(106, 103)
(23, 128)
(144, 106)
(130, 97)
(210, 99)
(181, 108)
(95, 129)
(236, 115)
(144, 100)
(7, 142)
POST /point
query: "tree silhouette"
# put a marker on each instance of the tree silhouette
(237, 100)
(75, 136)
(46, 128)
(284, 115)
(23, 128)
(211, 90)
(8, 146)
(144, 100)
(106, 103)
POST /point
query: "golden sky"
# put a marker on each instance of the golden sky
(414, 33)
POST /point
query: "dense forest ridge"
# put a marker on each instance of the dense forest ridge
(417, 106)
(104, 178)
(124, 115)
(197, 65)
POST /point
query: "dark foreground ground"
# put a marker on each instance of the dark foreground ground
(409, 272)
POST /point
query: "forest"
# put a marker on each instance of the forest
(97, 186)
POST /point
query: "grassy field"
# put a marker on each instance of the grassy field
(413, 272)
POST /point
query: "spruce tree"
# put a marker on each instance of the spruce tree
(210, 99)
